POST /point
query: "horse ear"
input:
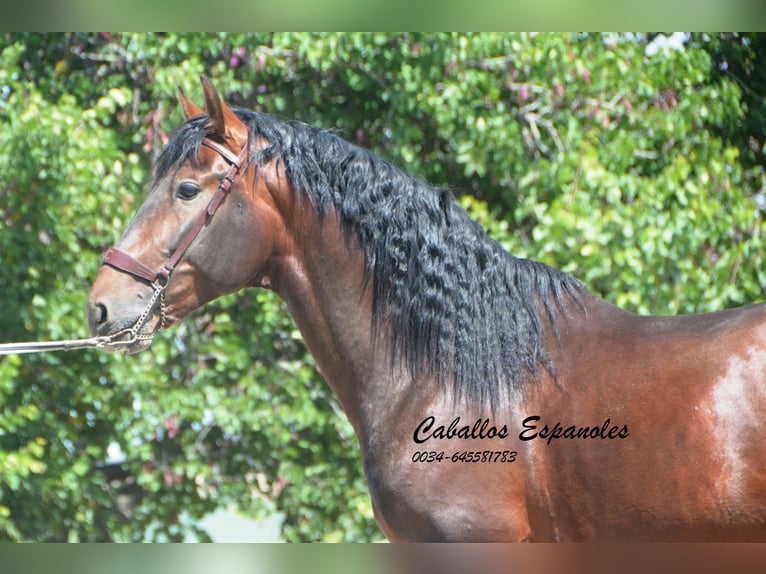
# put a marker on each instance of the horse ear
(190, 109)
(223, 121)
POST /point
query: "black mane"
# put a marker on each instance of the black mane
(456, 306)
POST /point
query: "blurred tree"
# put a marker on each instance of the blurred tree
(740, 57)
(639, 172)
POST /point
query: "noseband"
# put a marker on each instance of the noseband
(127, 263)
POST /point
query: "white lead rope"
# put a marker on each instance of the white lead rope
(95, 342)
(67, 345)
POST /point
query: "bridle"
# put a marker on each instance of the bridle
(127, 263)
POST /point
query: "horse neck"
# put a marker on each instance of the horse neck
(321, 275)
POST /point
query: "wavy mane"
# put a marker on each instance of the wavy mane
(455, 306)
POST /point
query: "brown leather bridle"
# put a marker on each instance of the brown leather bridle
(127, 263)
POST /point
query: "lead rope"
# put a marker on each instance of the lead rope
(97, 342)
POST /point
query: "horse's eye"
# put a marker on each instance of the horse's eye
(188, 190)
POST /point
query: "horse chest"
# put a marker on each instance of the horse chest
(420, 501)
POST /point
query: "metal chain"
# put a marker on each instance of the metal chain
(98, 342)
(158, 294)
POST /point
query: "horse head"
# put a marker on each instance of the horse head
(208, 227)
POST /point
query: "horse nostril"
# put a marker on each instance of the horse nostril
(100, 313)
(97, 316)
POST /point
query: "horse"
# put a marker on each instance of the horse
(494, 398)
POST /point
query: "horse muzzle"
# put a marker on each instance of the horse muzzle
(127, 324)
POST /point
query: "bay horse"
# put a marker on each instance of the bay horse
(494, 398)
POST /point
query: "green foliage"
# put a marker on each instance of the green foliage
(740, 58)
(625, 169)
